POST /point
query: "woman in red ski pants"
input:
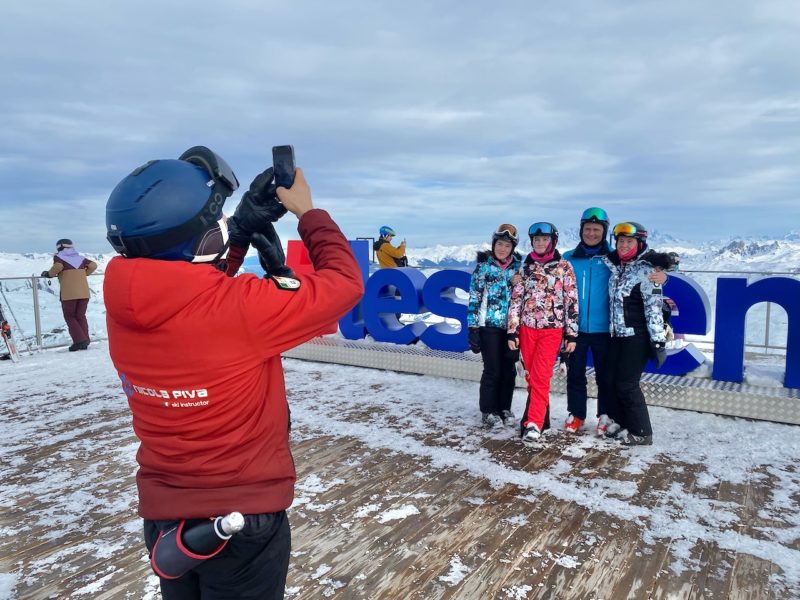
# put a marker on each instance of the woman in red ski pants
(542, 315)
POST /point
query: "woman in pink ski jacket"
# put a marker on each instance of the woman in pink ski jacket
(542, 315)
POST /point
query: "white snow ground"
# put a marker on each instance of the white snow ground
(722, 450)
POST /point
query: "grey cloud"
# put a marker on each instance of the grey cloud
(419, 115)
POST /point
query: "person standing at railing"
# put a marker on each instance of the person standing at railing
(542, 315)
(487, 319)
(199, 357)
(72, 270)
(591, 277)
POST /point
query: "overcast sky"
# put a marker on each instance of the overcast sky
(439, 118)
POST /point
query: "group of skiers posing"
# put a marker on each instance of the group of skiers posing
(591, 298)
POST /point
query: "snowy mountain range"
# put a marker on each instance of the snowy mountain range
(778, 254)
(756, 254)
(703, 262)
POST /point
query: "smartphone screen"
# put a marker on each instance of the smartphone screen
(283, 164)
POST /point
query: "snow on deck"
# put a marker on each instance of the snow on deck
(402, 494)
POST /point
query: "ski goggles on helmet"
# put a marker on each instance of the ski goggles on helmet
(217, 168)
(542, 229)
(594, 215)
(506, 231)
(629, 230)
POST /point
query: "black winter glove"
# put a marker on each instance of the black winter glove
(258, 208)
(45, 274)
(513, 355)
(675, 261)
(474, 339)
(658, 351)
(270, 252)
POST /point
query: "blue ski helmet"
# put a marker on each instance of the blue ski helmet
(172, 209)
(386, 230)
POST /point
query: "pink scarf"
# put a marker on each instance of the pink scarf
(629, 256)
(501, 264)
(544, 257)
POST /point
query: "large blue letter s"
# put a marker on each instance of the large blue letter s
(439, 296)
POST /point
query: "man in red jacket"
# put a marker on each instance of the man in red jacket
(198, 354)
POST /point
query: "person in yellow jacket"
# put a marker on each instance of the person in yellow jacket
(71, 269)
(389, 257)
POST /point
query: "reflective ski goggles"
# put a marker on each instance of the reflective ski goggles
(219, 170)
(629, 230)
(542, 229)
(507, 231)
(594, 215)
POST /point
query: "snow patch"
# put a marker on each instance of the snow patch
(457, 572)
(398, 513)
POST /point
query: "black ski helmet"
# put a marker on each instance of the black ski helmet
(595, 215)
(634, 230)
(506, 232)
(165, 208)
(544, 228)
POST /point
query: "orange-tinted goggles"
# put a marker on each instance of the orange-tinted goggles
(626, 229)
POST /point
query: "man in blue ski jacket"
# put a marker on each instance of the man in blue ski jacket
(591, 275)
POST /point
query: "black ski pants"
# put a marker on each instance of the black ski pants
(253, 564)
(598, 343)
(627, 359)
(499, 371)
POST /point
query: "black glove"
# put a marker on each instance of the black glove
(258, 208)
(474, 339)
(675, 261)
(658, 351)
(45, 274)
(270, 252)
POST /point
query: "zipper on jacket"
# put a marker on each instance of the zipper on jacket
(616, 289)
(589, 300)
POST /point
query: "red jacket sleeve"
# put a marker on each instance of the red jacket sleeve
(280, 319)
(235, 259)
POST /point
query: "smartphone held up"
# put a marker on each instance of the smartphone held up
(283, 165)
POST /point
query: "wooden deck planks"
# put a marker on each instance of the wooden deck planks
(508, 545)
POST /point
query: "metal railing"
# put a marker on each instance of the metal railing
(34, 311)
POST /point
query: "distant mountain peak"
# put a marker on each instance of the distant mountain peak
(744, 248)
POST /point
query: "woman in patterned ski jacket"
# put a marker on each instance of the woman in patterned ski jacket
(637, 330)
(487, 319)
(542, 315)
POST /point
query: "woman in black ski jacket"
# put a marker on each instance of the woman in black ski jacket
(637, 330)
